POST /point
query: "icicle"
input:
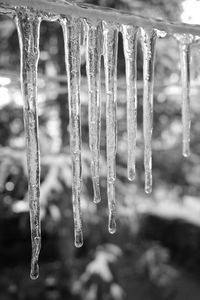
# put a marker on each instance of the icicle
(185, 75)
(110, 65)
(93, 64)
(28, 26)
(130, 53)
(72, 34)
(148, 40)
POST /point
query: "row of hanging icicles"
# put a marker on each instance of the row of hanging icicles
(101, 38)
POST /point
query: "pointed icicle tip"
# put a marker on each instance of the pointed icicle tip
(97, 199)
(34, 274)
(78, 239)
(112, 227)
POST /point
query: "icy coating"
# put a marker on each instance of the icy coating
(110, 33)
(101, 37)
(130, 52)
(72, 39)
(28, 27)
(93, 66)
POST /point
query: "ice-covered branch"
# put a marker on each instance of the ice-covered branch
(54, 9)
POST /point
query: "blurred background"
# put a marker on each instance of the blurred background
(155, 253)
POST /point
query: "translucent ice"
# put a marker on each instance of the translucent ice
(130, 53)
(148, 40)
(28, 26)
(93, 65)
(185, 75)
(185, 41)
(110, 64)
(72, 39)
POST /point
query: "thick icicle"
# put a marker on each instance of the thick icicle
(185, 75)
(110, 65)
(28, 30)
(130, 53)
(72, 35)
(93, 65)
(148, 40)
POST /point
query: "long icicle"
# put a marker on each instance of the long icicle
(130, 52)
(185, 76)
(28, 27)
(148, 41)
(110, 65)
(93, 66)
(71, 32)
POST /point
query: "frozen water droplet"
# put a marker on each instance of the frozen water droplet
(97, 197)
(34, 274)
(131, 174)
(112, 224)
(148, 187)
(78, 239)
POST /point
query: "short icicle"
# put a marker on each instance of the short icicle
(130, 52)
(185, 76)
(93, 67)
(110, 65)
(28, 26)
(72, 36)
(148, 41)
